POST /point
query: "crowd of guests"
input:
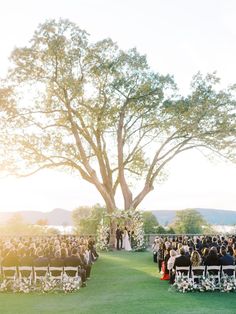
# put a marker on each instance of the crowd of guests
(169, 252)
(53, 251)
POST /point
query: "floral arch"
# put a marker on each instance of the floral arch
(131, 218)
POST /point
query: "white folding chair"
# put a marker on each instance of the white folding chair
(182, 272)
(228, 270)
(213, 272)
(26, 272)
(197, 272)
(40, 273)
(69, 269)
(57, 269)
(9, 272)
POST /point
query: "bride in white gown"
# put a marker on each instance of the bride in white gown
(126, 241)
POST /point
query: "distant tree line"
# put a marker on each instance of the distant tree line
(86, 220)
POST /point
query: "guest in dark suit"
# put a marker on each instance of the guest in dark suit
(119, 239)
(41, 261)
(182, 260)
(26, 260)
(75, 261)
(212, 259)
(226, 259)
(57, 261)
(9, 260)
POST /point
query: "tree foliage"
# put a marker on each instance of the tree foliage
(97, 110)
(189, 221)
(86, 219)
(150, 222)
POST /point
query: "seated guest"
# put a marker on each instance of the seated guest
(226, 259)
(212, 259)
(205, 253)
(41, 261)
(26, 260)
(182, 260)
(57, 261)
(230, 250)
(75, 261)
(195, 259)
(9, 260)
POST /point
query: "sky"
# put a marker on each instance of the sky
(180, 38)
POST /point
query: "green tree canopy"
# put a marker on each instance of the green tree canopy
(86, 219)
(189, 221)
(97, 110)
(150, 222)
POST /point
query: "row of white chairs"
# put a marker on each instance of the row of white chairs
(197, 272)
(35, 273)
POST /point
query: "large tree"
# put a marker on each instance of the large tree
(101, 112)
(189, 221)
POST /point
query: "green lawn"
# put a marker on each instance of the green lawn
(121, 282)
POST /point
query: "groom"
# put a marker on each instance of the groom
(119, 239)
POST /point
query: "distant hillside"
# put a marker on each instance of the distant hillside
(60, 216)
(57, 216)
(212, 216)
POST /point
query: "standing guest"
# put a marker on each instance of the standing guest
(92, 248)
(155, 249)
(119, 238)
(132, 240)
(160, 254)
(85, 262)
(165, 268)
(170, 265)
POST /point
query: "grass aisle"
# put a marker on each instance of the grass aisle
(121, 283)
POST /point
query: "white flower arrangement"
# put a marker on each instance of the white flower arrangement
(228, 284)
(103, 231)
(209, 283)
(184, 285)
(46, 285)
(71, 284)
